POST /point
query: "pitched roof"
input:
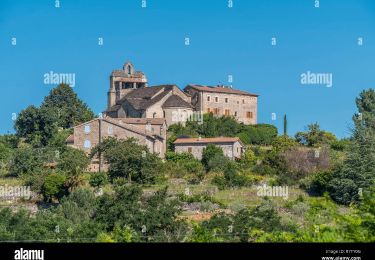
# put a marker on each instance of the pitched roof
(113, 108)
(142, 98)
(70, 139)
(127, 127)
(120, 124)
(218, 89)
(136, 75)
(176, 101)
(141, 121)
(207, 140)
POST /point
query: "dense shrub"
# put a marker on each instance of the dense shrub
(317, 183)
(127, 159)
(258, 134)
(213, 157)
(54, 187)
(98, 179)
(26, 161)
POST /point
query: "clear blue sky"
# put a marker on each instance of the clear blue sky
(223, 41)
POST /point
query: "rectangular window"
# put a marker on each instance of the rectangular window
(216, 111)
(249, 114)
(208, 98)
(208, 110)
(227, 112)
(87, 129)
(190, 149)
(226, 100)
(243, 101)
(235, 113)
(110, 130)
(87, 144)
(216, 99)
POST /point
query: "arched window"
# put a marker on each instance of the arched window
(129, 70)
(154, 115)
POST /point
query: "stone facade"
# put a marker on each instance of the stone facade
(224, 101)
(152, 134)
(123, 81)
(232, 146)
(144, 113)
(162, 101)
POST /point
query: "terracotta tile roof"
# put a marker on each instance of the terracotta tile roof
(218, 89)
(176, 101)
(207, 140)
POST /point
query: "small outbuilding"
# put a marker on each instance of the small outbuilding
(232, 146)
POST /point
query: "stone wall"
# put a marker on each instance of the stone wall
(231, 150)
(237, 105)
(86, 136)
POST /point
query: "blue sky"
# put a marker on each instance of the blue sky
(223, 41)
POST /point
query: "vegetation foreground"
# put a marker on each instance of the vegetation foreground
(329, 183)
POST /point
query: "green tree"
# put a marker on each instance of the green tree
(26, 161)
(70, 110)
(212, 155)
(54, 187)
(127, 159)
(358, 172)
(60, 109)
(285, 125)
(315, 136)
(73, 162)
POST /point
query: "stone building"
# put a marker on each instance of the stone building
(232, 147)
(221, 100)
(136, 110)
(130, 97)
(162, 101)
(123, 81)
(148, 132)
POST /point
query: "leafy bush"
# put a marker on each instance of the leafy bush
(54, 187)
(212, 157)
(25, 161)
(232, 177)
(315, 136)
(340, 145)
(127, 159)
(317, 183)
(258, 134)
(98, 179)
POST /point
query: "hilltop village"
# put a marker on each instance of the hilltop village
(135, 109)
